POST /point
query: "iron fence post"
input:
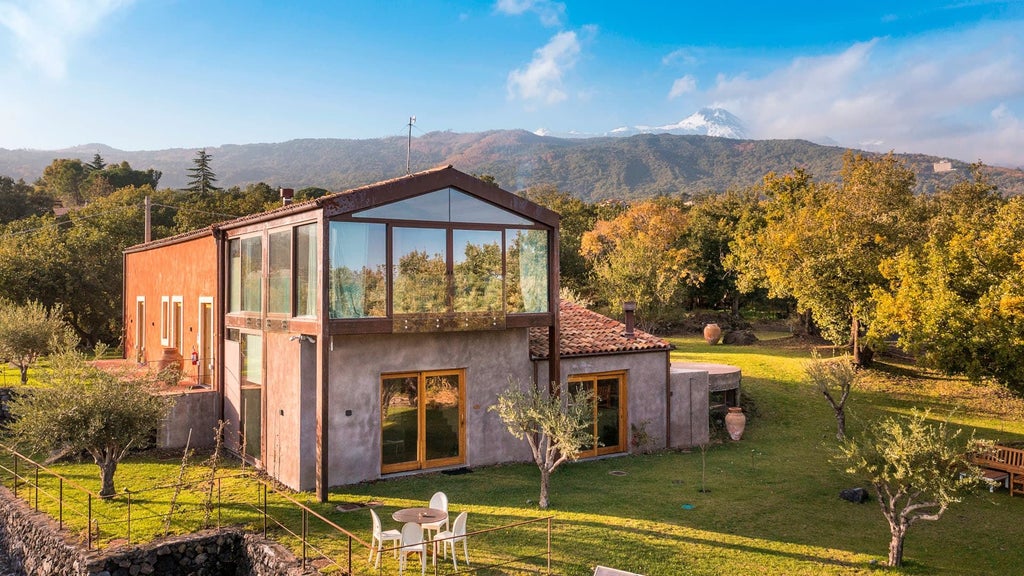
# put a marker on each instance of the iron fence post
(549, 546)
(61, 501)
(15, 476)
(218, 503)
(305, 521)
(129, 493)
(264, 510)
(88, 527)
(37, 487)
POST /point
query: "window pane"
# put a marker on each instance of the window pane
(235, 275)
(419, 270)
(251, 347)
(358, 264)
(441, 417)
(477, 270)
(399, 408)
(608, 432)
(445, 205)
(252, 274)
(306, 270)
(527, 269)
(279, 284)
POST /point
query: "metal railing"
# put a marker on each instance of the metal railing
(312, 536)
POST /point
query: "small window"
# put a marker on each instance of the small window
(165, 321)
(177, 324)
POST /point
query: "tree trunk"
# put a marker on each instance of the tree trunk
(896, 546)
(107, 468)
(24, 373)
(545, 477)
(841, 424)
(855, 340)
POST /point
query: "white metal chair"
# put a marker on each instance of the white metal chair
(438, 501)
(412, 543)
(450, 538)
(380, 537)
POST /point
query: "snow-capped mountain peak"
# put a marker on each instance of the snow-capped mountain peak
(710, 122)
(706, 121)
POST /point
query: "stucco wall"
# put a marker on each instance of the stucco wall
(290, 413)
(187, 269)
(645, 387)
(357, 362)
(689, 400)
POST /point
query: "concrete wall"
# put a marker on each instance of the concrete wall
(689, 402)
(290, 412)
(356, 365)
(645, 387)
(194, 410)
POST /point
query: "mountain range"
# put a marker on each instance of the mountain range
(596, 168)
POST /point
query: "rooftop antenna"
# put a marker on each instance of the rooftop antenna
(408, 150)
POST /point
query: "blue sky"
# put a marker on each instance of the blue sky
(944, 78)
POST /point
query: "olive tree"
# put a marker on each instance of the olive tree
(27, 331)
(917, 469)
(84, 408)
(834, 379)
(556, 427)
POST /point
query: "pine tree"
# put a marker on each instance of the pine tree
(201, 176)
(96, 164)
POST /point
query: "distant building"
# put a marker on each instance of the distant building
(942, 166)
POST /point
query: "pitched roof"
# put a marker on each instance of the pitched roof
(585, 333)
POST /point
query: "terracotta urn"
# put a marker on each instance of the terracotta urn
(712, 332)
(170, 358)
(735, 422)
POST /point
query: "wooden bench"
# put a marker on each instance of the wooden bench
(1004, 459)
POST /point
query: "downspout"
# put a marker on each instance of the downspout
(555, 330)
(218, 313)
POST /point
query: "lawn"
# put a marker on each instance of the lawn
(772, 504)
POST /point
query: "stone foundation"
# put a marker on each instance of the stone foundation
(35, 546)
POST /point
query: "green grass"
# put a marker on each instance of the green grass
(772, 508)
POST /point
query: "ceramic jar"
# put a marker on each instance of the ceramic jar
(712, 332)
(735, 422)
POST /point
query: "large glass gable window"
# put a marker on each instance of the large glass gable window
(444, 260)
(445, 205)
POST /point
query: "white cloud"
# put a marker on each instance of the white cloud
(45, 30)
(541, 79)
(681, 86)
(914, 96)
(684, 55)
(550, 13)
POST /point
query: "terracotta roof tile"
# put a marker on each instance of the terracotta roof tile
(585, 333)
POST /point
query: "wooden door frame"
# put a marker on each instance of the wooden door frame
(421, 463)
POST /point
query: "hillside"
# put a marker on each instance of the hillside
(591, 168)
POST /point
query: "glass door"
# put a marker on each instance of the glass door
(607, 414)
(422, 420)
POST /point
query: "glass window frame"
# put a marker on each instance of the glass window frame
(623, 417)
(286, 273)
(449, 230)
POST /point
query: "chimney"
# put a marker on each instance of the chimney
(286, 196)
(629, 308)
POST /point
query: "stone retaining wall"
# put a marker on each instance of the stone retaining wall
(6, 395)
(36, 546)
